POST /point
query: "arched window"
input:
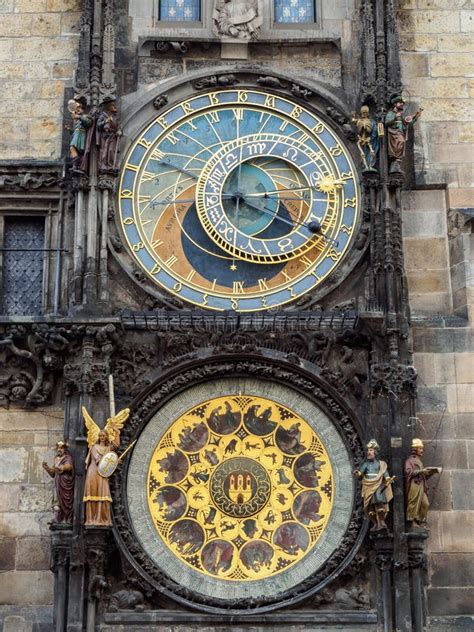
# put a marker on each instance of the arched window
(180, 10)
(294, 11)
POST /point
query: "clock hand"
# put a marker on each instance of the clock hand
(177, 200)
(314, 226)
(267, 193)
(173, 166)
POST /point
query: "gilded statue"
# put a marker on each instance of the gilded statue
(241, 19)
(62, 471)
(376, 487)
(397, 131)
(416, 484)
(367, 137)
(100, 463)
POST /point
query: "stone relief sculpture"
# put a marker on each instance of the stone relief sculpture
(376, 487)
(397, 131)
(100, 463)
(240, 19)
(367, 137)
(63, 473)
(416, 485)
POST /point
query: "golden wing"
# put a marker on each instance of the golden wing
(92, 428)
(115, 424)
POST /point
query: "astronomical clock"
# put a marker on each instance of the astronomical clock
(238, 200)
(239, 490)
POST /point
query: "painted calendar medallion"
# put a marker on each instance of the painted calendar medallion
(237, 483)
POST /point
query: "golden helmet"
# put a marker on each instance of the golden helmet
(417, 443)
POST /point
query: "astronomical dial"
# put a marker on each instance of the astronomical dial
(238, 200)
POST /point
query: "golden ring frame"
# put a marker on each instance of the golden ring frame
(223, 545)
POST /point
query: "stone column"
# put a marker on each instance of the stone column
(61, 537)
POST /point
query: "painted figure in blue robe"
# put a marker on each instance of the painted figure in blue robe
(367, 138)
(81, 124)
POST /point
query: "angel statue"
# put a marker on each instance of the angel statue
(101, 456)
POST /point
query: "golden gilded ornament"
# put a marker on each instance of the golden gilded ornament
(240, 488)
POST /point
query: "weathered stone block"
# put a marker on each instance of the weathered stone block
(429, 21)
(460, 198)
(433, 340)
(467, 21)
(463, 340)
(450, 600)
(426, 254)
(434, 303)
(63, 5)
(440, 493)
(419, 42)
(464, 363)
(22, 524)
(424, 363)
(14, 623)
(15, 25)
(452, 569)
(445, 368)
(451, 454)
(431, 398)
(457, 528)
(455, 43)
(9, 497)
(466, 132)
(6, 6)
(32, 554)
(423, 200)
(453, 153)
(46, 25)
(465, 430)
(420, 224)
(422, 282)
(26, 587)
(32, 6)
(414, 64)
(6, 49)
(463, 490)
(44, 128)
(70, 23)
(435, 527)
(36, 498)
(13, 465)
(453, 109)
(35, 48)
(63, 70)
(430, 426)
(7, 553)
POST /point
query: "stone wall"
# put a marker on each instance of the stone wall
(438, 65)
(38, 44)
(26, 439)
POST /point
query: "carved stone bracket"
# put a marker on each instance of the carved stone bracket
(387, 378)
(214, 81)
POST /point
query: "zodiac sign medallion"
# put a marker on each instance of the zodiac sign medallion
(240, 488)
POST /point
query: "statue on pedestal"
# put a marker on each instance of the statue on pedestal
(376, 487)
(416, 485)
(107, 135)
(397, 131)
(63, 473)
(367, 137)
(100, 464)
(82, 121)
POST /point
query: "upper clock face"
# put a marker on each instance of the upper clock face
(238, 200)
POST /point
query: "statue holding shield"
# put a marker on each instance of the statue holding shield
(101, 462)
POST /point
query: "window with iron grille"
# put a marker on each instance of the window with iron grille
(180, 10)
(22, 278)
(295, 11)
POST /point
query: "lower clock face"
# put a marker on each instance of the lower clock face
(239, 487)
(238, 200)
